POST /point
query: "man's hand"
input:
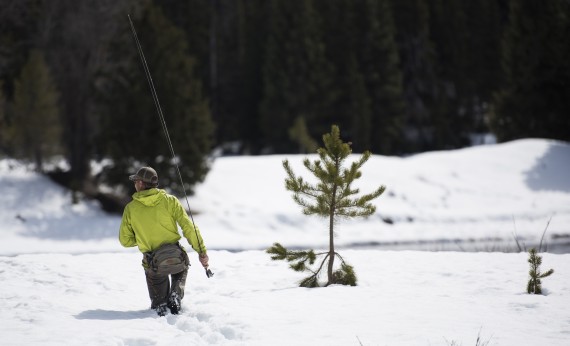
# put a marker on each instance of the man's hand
(203, 257)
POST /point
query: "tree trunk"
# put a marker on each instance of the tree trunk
(331, 229)
(38, 158)
(214, 85)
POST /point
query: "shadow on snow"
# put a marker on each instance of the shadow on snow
(550, 171)
(109, 315)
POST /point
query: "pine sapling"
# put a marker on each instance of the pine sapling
(534, 283)
(333, 197)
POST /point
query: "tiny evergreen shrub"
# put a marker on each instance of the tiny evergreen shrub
(534, 283)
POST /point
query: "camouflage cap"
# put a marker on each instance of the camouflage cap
(147, 175)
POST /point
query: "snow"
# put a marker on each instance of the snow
(66, 279)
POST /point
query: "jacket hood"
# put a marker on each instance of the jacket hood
(150, 197)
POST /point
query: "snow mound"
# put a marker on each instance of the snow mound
(444, 200)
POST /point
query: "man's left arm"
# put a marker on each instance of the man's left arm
(190, 230)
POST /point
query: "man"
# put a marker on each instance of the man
(150, 221)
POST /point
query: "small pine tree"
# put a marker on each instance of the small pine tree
(534, 283)
(331, 197)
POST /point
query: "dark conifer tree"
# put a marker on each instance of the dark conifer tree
(296, 73)
(131, 132)
(73, 36)
(194, 18)
(20, 22)
(3, 122)
(344, 40)
(418, 66)
(534, 101)
(449, 32)
(483, 71)
(379, 62)
(227, 38)
(359, 107)
(36, 126)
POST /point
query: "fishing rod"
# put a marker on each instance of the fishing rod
(165, 128)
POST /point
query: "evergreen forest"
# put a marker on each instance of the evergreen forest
(258, 77)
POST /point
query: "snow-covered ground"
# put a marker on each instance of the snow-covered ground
(66, 280)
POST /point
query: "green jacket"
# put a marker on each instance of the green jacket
(150, 220)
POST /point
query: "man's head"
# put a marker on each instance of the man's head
(145, 178)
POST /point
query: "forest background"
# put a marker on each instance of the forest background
(250, 77)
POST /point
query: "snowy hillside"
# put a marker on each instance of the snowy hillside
(480, 193)
(470, 199)
(66, 280)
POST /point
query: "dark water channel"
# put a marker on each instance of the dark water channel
(558, 244)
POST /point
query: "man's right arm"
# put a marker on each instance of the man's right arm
(126, 233)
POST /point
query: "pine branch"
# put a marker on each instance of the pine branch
(309, 282)
(323, 262)
(548, 273)
(529, 287)
(344, 276)
(299, 257)
(339, 257)
(278, 252)
(312, 280)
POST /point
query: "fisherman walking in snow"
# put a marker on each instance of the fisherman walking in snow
(150, 222)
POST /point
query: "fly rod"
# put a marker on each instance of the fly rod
(165, 128)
